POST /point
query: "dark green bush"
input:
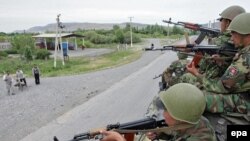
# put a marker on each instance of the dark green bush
(27, 53)
(3, 54)
(42, 54)
(11, 51)
(88, 44)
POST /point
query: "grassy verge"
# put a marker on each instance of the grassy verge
(75, 65)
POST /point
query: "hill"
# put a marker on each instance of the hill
(69, 27)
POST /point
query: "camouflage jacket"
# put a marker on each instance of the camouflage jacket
(235, 79)
(174, 71)
(209, 67)
(201, 131)
(224, 39)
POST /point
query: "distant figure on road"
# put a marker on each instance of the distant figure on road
(20, 76)
(151, 48)
(8, 81)
(36, 74)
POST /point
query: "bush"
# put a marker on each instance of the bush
(18, 42)
(11, 51)
(3, 54)
(42, 54)
(28, 53)
(136, 38)
(88, 44)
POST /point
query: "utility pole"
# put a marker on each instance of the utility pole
(59, 28)
(168, 26)
(131, 38)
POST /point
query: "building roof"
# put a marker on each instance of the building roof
(63, 35)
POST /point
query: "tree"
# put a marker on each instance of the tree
(177, 30)
(119, 36)
(18, 42)
(28, 53)
(116, 27)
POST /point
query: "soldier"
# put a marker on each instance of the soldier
(171, 75)
(215, 68)
(235, 82)
(175, 105)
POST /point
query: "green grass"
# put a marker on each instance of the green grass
(77, 65)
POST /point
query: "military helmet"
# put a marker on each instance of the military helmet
(184, 102)
(182, 55)
(231, 12)
(240, 24)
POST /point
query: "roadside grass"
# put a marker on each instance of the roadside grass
(76, 65)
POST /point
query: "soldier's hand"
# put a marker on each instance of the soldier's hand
(151, 135)
(192, 69)
(217, 59)
(111, 136)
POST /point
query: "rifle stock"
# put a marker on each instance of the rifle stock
(147, 123)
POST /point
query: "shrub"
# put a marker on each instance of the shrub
(3, 54)
(28, 53)
(11, 51)
(42, 54)
(88, 44)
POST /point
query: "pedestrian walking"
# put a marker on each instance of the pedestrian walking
(36, 74)
(8, 81)
(20, 76)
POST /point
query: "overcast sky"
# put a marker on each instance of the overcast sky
(24, 14)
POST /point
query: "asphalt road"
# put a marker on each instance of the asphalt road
(64, 106)
(125, 101)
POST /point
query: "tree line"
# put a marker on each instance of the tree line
(23, 43)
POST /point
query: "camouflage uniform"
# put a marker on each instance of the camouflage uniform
(201, 131)
(208, 67)
(235, 80)
(178, 104)
(172, 74)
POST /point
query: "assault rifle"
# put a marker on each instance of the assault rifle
(168, 47)
(208, 49)
(143, 124)
(200, 50)
(205, 31)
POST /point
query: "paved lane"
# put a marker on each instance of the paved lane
(125, 101)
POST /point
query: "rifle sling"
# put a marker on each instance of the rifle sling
(161, 129)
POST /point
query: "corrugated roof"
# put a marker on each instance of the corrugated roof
(63, 35)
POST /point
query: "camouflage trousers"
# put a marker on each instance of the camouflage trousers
(227, 103)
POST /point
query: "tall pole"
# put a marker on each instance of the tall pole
(168, 26)
(56, 40)
(60, 37)
(59, 28)
(131, 38)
